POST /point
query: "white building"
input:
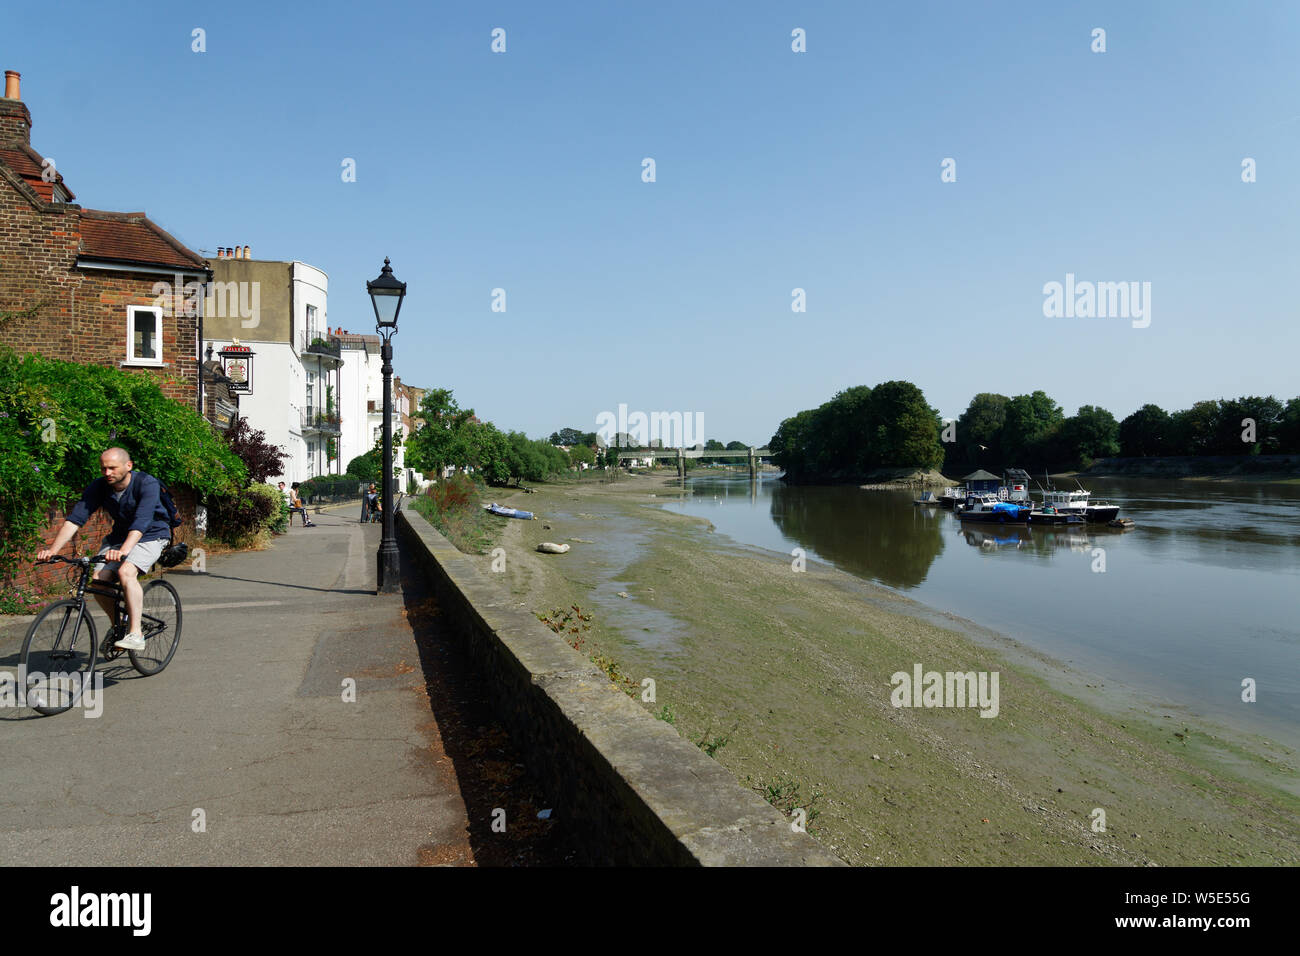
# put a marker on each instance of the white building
(267, 321)
(362, 389)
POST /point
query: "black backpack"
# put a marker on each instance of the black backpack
(165, 498)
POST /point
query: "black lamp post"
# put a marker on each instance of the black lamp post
(386, 294)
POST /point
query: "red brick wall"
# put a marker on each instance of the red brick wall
(82, 315)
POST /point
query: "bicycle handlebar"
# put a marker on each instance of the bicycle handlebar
(58, 557)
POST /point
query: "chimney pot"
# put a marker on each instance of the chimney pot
(247, 254)
(11, 85)
(221, 252)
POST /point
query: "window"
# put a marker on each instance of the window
(312, 331)
(143, 335)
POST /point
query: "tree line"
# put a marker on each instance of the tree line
(452, 436)
(1031, 431)
(892, 426)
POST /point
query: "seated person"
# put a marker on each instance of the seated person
(297, 507)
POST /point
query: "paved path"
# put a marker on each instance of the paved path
(249, 725)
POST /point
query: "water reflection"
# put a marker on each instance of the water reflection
(1201, 593)
(878, 536)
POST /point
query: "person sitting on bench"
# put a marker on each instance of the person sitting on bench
(296, 507)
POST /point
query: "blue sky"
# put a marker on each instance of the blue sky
(775, 170)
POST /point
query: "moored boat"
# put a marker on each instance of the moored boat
(987, 509)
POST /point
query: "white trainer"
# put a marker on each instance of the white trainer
(132, 642)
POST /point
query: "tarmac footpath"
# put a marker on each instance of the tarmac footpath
(300, 723)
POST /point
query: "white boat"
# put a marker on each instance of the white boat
(1080, 503)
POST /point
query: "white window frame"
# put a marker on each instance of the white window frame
(131, 357)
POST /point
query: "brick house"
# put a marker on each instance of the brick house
(82, 284)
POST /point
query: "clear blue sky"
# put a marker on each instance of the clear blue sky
(775, 170)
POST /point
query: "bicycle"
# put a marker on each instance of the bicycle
(50, 649)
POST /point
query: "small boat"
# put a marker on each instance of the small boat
(951, 497)
(927, 498)
(505, 512)
(1079, 503)
(987, 509)
(1049, 515)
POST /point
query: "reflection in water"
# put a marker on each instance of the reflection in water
(1201, 594)
(868, 534)
(1040, 540)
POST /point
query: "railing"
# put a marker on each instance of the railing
(324, 421)
(328, 489)
(320, 347)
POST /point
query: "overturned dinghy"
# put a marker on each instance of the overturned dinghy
(550, 547)
(505, 512)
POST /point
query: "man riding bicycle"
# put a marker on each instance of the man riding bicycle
(140, 532)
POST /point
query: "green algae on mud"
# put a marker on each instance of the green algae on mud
(796, 667)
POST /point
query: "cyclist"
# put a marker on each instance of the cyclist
(140, 532)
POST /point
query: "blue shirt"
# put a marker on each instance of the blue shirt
(139, 508)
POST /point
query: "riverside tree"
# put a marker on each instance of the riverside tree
(858, 430)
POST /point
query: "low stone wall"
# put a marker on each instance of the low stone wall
(629, 789)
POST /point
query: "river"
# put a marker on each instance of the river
(1201, 595)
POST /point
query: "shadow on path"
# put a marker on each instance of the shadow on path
(489, 770)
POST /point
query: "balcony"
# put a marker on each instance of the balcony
(320, 420)
(320, 349)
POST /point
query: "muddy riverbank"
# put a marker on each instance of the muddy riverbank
(792, 669)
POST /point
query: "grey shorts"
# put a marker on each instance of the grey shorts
(143, 555)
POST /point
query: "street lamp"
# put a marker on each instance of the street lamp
(386, 295)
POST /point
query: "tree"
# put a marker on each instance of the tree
(737, 446)
(1028, 420)
(903, 431)
(858, 430)
(714, 445)
(979, 433)
(1145, 433)
(263, 460)
(1089, 434)
(1289, 429)
(581, 454)
(369, 466)
(571, 436)
(441, 440)
(1191, 430)
(1265, 412)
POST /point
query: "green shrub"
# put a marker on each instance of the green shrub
(57, 418)
(240, 519)
(280, 520)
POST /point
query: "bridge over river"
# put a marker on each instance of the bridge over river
(753, 455)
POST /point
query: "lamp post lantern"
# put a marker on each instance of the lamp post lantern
(386, 295)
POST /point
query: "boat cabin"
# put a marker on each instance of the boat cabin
(981, 482)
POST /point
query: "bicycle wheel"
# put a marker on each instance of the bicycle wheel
(58, 657)
(160, 623)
